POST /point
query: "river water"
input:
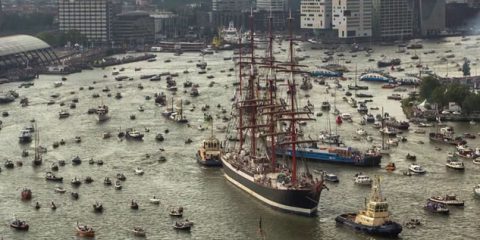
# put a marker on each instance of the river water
(219, 209)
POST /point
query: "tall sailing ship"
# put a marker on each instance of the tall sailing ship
(37, 161)
(250, 163)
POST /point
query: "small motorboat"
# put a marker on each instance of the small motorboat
(53, 206)
(37, 205)
(88, 180)
(390, 167)
(454, 163)
(449, 199)
(76, 182)
(60, 190)
(185, 225)
(118, 185)
(76, 160)
(54, 167)
(331, 177)
(139, 171)
(98, 207)
(436, 207)
(121, 177)
(476, 190)
(415, 168)
(26, 194)
(133, 204)
(411, 157)
(51, 177)
(362, 179)
(155, 200)
(361, 132)
(407, 173)
(91, 161)
(178, 212)
(139, 232)
(9, 164)
(85, 231)
(74, 195)
(107, 181)
(19, 225)
(476, 161)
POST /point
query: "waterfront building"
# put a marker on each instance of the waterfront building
(165, 25)
(271, 5)
(225, 11)
(352, 18)
(91, 18)
(133, 28)
(316, 14)
(393, 19)
(21, 51)
(430, 17)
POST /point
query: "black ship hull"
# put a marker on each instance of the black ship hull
(389, 229)
(302, 202)
(208, 162)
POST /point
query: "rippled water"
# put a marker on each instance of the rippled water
(219, 209)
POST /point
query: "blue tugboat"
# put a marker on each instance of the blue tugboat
(375, 219)
(210, 153)
(335, 154)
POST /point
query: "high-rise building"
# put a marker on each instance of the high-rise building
(316, 14)
(271, 5)
(430, 17)
(352, 18)
(133, 28)
(393, 18)
(225, 11)
(231, 5)
(91, 18)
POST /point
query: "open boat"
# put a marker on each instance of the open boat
(85, 231)
(436, 207)
(51, 177)
(176, 212)
(448, 199)
(26, 194)
(19, 225)
(139, 232)
(155, 200)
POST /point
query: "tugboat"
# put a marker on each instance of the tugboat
(375, 218)
(210, 152)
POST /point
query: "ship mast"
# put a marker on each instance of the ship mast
(240, 65)
(271, 81)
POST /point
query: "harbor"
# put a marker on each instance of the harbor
(167, 169)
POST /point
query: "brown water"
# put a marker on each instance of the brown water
(219, 209)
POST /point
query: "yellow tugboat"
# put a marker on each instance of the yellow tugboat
(375, 218)
(209, 154)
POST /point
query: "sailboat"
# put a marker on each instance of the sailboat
(251, 163)
(385, 150)
(37, 161)
(356, 86)
(178, 116)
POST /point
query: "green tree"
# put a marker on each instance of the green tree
(438, 96)
(456, 93)
(466, 68)
(428, 85)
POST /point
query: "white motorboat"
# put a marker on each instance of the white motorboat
(346, 116)
(57, 84)
(476, 190)
(362, 179)
(139, 171)
(415, 168)
(454, 163)
(102, 113)
(449, 199)
(361, 132)
(155, 200)
(60, 190)
(392, 142)
(476, 161)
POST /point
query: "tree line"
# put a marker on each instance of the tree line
(434, 91)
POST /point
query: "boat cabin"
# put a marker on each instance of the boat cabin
(211, 148)
(376, 212)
